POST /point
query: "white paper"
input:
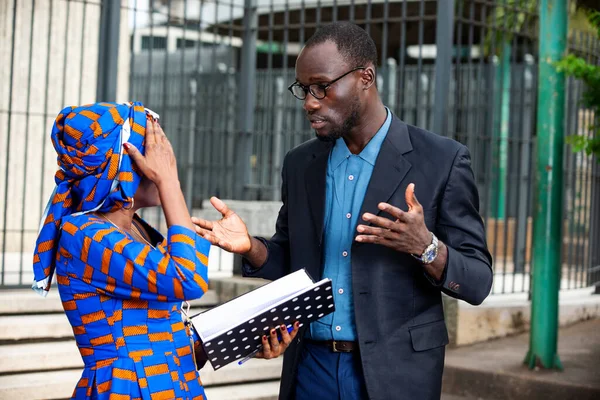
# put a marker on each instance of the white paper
(220, 319)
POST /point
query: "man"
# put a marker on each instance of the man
(350, 213)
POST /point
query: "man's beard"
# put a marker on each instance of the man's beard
(346, 127)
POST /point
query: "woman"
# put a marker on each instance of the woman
(121, 283)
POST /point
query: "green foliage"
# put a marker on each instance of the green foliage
(594, 18)
(508, 17)
(579, 68)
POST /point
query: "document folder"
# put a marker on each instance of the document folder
(233, 330)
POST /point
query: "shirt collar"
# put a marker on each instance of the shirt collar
(341, 152)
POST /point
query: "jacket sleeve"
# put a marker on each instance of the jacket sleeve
(468, 274)
(109, 261)
(277, 264)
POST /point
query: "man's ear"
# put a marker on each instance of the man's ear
(368, 77)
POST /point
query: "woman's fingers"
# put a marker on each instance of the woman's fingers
(273, 346)
(274, 342)
(287, 337)
(136, 157)
(160, 134)
(266, 348)
(155, 131)
(150, 138)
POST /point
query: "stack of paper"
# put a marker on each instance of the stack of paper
(234, 329)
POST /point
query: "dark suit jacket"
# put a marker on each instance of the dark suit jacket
(398, 308)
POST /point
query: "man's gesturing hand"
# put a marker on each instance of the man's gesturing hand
(407, 233)
(229, 233)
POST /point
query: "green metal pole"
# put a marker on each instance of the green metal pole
(502, 77)
(547, 232)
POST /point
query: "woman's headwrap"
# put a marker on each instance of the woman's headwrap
(95, 173)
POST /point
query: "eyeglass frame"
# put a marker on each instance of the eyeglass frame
(307, 89)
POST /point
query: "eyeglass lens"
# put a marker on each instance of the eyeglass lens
(300, 91)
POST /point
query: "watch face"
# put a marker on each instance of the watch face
(429, 257)
(430, 254)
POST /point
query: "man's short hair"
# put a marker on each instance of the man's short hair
(353, 42)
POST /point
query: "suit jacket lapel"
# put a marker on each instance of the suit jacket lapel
(390, 163)
(316, 174)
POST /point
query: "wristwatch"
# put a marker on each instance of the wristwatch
(430, 252)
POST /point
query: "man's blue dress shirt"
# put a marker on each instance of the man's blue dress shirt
(348, 176)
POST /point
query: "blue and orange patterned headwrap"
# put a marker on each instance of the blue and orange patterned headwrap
(95, 174)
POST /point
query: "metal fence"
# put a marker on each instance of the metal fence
(581, 212)
(217, 72)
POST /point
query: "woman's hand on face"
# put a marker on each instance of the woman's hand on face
(272, 347)
(158, 164)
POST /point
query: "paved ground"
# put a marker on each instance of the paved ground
(495, 369)
(453, 397)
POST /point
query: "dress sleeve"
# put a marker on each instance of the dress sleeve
(105, 258)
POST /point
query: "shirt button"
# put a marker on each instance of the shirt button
(345, 253)
(338, 328)
(341, 291)
(348, 215)
(351, 177)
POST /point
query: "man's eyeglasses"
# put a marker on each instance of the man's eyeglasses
(318, 90)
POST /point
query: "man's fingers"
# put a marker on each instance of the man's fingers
(204, 232)
(204, 229)
(375, 231)
(393, 211)
(372, 239)
(379, 221)
(227, 246)
(220, 206)
(203, 223)
(214, 240)
(411, 198)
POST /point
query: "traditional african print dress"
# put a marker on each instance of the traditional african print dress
(123, 300)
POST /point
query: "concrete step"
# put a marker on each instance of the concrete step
(249, 391)
(60, 385)
(16, 358)
(251, 371)
(44, 326)
(40, 385)
(27, 327)
(37, 385)
(26, 301)
(19, 358)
